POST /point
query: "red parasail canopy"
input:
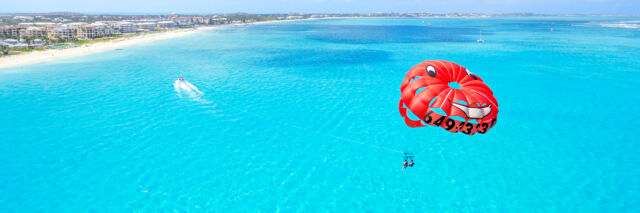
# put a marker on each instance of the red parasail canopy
(426, 93)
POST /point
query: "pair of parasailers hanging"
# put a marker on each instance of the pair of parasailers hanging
(407, 156)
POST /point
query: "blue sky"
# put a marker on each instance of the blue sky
(324, 6)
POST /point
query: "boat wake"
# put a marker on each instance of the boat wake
(188, 90)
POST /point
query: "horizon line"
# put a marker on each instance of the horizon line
(326, 13)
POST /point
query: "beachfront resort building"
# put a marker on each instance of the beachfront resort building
(181, 20)
(13, 43)
(10, 31)
(120, 27)
(146, 26)
(124, 27)
(37, 43)
(37, 32)
(61, 33)
(166, 25)
(189, 20)
(218, 21)
(197, 20)
(95, 30)
(294, 17)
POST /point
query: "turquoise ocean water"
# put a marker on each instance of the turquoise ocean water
(303, 117)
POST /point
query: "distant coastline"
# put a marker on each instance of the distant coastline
(36, 57)
(116, 43)
(38, 37)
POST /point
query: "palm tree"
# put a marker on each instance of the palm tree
(28, 40)
(5, 50)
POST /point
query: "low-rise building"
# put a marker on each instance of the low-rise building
(13, 43)
(37, 43)
(294, 17)
(10, 41)
(61, 34)
(38, 24)
(181, 20)
(60, 20)
(107, 30)
(86, 31)
(166, 25)
(118, 27)
(11, 31)
(95, 30)
(146, 26)
(197, 20)
(124, 27)
(23, 18)
(74, 25)
(38, 32)
(218, 21)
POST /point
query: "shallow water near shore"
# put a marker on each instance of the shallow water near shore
(303, 116)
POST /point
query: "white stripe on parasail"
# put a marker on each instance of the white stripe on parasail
(473, 112)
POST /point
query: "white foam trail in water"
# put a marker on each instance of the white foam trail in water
(184, 88)
(623, 24)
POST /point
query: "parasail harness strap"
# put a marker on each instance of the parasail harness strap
(408, 156)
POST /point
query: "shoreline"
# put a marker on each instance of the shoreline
(37, 57)
(48, 55)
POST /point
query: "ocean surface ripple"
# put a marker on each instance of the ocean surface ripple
(303, 116)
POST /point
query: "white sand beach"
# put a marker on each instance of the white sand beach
(35, 57)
